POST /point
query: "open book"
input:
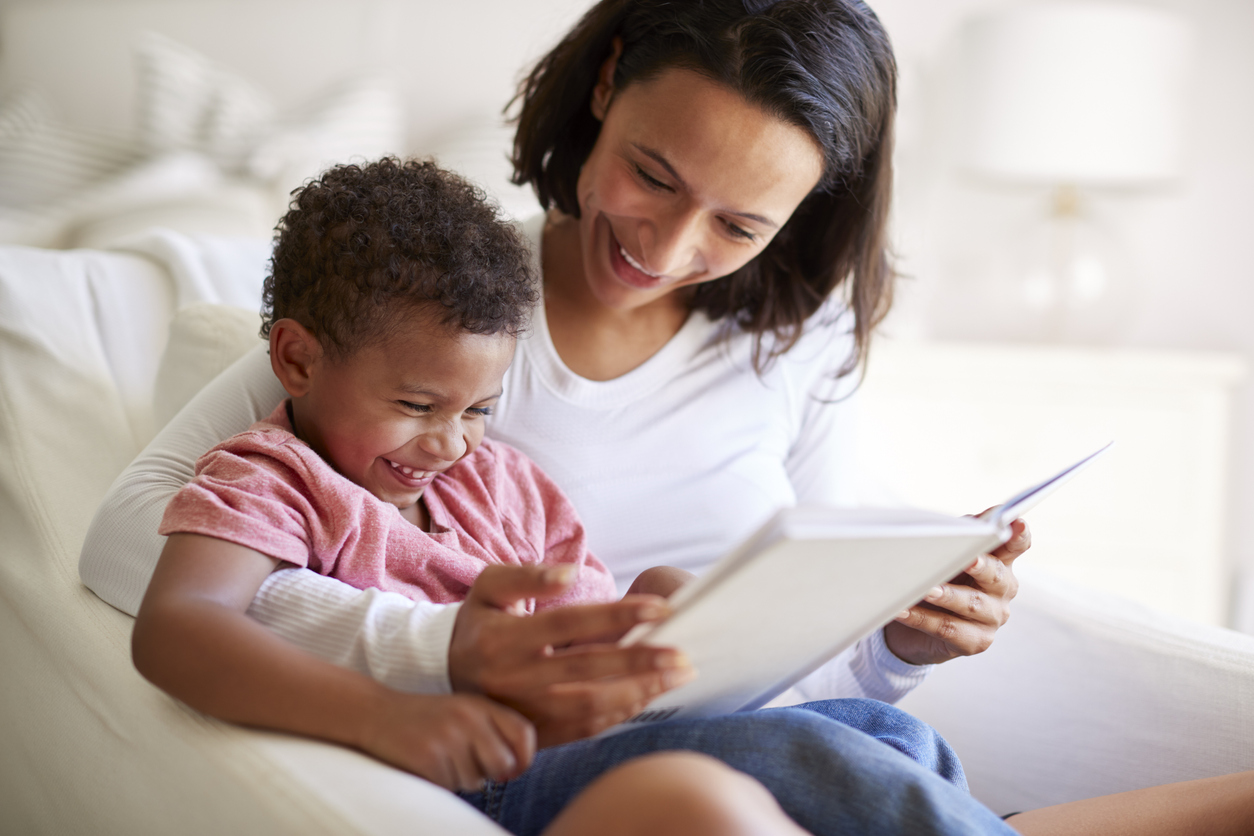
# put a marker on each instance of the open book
(807, 585)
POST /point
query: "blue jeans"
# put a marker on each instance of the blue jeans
(836, 766)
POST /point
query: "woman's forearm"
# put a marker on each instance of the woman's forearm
(398, 642)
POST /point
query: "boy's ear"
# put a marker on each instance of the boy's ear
(294, 352)
(604, 90)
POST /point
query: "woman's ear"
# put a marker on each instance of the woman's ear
(603, 93)
(294, 352)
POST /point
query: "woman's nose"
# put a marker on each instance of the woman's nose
(675, 250)
(444, 441)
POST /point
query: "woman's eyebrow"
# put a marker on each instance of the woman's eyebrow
(670, 169)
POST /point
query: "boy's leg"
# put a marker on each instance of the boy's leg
(826, 776)
(673, 794)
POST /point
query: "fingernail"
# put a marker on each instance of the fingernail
(903, 614)
(935, 592)
(674, 659)
(562, 573)
(681, 676)
(652, 611)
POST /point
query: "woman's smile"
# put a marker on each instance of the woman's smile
(631, 271)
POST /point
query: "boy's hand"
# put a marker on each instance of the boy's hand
(660, 580)
(560, 667)
(454, 741)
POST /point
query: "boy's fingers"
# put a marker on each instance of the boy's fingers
(519, 735)
(589, 708)
(593, 662)
(592, 622)
(503, 586)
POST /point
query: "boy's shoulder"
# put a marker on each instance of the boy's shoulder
(268, 442)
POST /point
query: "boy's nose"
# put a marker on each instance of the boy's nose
(445, 442)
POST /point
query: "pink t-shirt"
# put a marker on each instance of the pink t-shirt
(269, 491)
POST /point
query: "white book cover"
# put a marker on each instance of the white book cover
(807, 585)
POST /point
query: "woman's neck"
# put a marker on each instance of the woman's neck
(593, 340)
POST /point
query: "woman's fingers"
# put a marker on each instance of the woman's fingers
(961, 617)
(1020, 541)
(967, 602)
(960, 636)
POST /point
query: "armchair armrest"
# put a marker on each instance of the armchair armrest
(1086, 693)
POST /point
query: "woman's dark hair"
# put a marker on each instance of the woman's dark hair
(364, 243)
(825, 66)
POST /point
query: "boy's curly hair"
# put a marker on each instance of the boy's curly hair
(364, 242)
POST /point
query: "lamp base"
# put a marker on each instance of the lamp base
(1065, 277)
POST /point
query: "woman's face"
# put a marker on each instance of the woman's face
(686, 183)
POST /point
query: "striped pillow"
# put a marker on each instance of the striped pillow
(42, 163)
(189, 103)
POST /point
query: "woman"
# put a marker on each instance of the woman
(713, 264)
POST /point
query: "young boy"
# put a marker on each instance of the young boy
(392, 310)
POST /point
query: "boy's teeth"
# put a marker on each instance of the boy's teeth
(408, 471)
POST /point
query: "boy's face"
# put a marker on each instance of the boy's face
(403, 409)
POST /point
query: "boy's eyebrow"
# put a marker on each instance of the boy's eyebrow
(657, 157)
(418, 389)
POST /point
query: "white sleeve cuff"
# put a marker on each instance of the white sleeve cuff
(882, 675)
(399, 642)
(868, 669)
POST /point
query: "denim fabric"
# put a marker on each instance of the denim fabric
(836, 766)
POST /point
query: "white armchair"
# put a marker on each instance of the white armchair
(1082, 694)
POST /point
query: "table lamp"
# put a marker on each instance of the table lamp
(1076, 97)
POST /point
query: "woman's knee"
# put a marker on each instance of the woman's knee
(898, 729)
(675, 792)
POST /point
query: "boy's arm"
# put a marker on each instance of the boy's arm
(193, 639)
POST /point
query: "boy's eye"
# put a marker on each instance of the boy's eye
(415, 407)
(482, 411)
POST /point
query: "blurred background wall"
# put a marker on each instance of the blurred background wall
(454, 66)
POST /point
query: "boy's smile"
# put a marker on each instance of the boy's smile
(400, 410)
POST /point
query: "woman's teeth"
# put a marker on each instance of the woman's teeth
(409, 471)
(627, 257)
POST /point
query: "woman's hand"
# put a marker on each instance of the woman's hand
(559, 668)
(960, 618)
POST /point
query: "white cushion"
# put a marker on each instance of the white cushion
(204, 340)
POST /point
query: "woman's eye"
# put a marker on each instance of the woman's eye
(651, 182)
(740, 232)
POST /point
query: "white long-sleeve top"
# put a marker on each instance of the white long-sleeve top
(673, 463)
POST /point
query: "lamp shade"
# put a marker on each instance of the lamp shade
(1077, 93)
